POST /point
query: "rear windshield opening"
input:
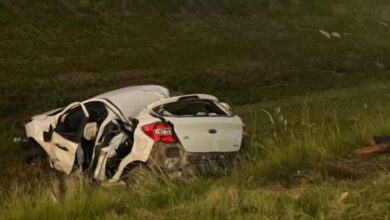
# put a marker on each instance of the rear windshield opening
(190, 108)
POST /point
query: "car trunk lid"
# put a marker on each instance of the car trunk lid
(208, 134)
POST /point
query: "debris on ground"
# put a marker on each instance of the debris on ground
(376, 144)
(326, 34)
(383, 23)
(380, 65)
(343, 196)
(335, 35)
(378, 148)
(330, 35)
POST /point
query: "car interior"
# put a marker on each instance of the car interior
(71, 126)
(190, 108)
(97, 114)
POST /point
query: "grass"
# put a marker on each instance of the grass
(280, 178)
(307, 100)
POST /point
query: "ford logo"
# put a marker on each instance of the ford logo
(212, 131)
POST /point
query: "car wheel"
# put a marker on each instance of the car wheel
(137, 176)
(36, 156)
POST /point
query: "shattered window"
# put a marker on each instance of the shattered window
(194, 108)
(70, 123)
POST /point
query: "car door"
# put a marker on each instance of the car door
(66, 137)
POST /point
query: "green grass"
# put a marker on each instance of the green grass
(308, 101)
(280, 178)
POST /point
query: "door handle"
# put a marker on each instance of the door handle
(62, 147)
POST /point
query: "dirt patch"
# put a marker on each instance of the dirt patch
(350, 168)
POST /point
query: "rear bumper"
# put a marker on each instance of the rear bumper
(212, 163)
(175, 162)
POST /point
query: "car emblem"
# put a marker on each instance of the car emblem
(186, 138)
(212, 131)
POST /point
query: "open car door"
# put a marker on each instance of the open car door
(65, 138)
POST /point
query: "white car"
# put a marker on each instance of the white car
(112, 133)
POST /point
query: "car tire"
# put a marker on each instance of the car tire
(137, 176)
(36, 156)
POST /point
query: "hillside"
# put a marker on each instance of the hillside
(325, 95)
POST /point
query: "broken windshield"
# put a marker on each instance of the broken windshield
(190, 108)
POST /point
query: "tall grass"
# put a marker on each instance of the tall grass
(283, 144)
(56, 52)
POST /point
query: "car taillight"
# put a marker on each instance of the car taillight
(160, 131)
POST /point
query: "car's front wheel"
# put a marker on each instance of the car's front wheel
(35, 155)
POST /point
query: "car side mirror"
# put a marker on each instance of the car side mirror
(226, 106)
(47, 135)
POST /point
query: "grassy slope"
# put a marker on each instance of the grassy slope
(52, 53)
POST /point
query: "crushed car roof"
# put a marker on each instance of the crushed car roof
(134, 99)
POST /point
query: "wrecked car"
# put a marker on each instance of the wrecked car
(111, 134)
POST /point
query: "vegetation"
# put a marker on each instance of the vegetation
(308, 101)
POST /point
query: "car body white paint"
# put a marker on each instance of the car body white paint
(141, 148)
(176, 98)
(132, 100)
(122, 104)
(137, 102)
(195, 137)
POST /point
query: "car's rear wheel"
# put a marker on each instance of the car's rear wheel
(137, 176)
